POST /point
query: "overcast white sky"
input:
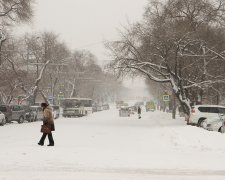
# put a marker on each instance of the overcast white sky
(84, 24)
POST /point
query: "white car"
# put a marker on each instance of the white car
(2, 119)
(201, 115)
(56, 111)
(215, 125)
(38, 112)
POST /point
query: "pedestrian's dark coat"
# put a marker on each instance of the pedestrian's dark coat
(48, 117)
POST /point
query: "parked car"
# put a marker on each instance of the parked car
(215, 125)
(99, 107)
(202, 114)
(2, 119)
(56, 111)
(29, 114)
(38, 112)
(13, 113)
(124, 112)
(105, 106)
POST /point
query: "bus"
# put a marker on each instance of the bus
(76, 107)
(150, 106)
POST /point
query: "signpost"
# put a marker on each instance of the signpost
(166, 98)
(60, 96)
(50, 99)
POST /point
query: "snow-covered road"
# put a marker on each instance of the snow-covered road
(106, 146)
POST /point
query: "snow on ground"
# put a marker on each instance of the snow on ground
(104, 146)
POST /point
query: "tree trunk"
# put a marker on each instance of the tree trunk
(44, 97)
(174, 106)
(181, 96)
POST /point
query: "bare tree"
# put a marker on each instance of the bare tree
(11, 12)
(15, 11)
(170, 46)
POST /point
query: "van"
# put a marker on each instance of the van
(13, 113)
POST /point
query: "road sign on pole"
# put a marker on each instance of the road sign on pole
(166, 98)
(50, 99)
(60, 95)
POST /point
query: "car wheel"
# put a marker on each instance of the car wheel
(200, 122)
(3, 122)
(21, 120)
(203, 124)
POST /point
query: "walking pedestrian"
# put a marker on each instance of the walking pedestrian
(139, 112)
(48, 123)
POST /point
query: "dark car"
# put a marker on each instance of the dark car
(13, 113)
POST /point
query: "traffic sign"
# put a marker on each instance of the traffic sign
(50, 97)
(166, 98)
(60, 95)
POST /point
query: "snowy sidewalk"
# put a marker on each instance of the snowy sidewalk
(106, 146)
